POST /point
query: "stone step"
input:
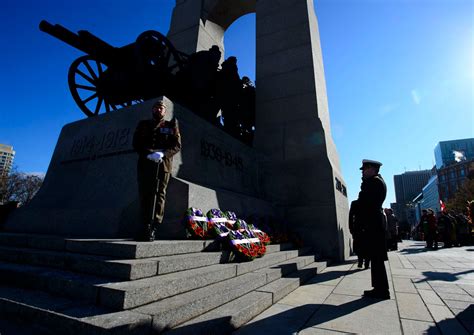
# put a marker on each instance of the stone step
(49, 314)
(284, 286)
(232, 315)
(36, 241)
(172, 311)
(116, 248)
(126, 269)
(121, 295)
(130, 269)
(63, 283)
(138, 250)
(126, 295)
(59, 315)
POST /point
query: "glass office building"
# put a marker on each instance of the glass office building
(450, 152)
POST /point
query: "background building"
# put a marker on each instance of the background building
(6, 159)
(431, 194)
(445, 151)
(451, 177)
(408, 186)
(428, 198)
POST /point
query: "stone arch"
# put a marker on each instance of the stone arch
(224, 12)
(198, 25)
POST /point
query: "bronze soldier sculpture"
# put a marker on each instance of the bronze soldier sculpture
(156, 141)
(369, 210)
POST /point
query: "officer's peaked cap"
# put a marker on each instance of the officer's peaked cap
(370, 162)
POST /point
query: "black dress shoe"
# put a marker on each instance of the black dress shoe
(377, 294)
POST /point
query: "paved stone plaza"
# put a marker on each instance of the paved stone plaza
(432, 292)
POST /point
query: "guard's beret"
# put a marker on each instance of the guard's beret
(159, 103)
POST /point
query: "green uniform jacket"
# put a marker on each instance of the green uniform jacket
(151, 136)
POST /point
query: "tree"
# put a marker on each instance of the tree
(464, 193)
(19, 186)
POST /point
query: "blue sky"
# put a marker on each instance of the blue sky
(399, 73)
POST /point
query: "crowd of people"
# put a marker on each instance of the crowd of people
(452, 229)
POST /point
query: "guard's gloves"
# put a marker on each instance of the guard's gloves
(156, 156)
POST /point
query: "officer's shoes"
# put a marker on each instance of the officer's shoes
(377, 294)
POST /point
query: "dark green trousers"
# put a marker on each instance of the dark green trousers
(151, 183)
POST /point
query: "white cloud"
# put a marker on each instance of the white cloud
(415, 96)
(387, 109)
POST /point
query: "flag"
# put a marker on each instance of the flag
(442, 205)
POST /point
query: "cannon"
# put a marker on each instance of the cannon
(108, 78)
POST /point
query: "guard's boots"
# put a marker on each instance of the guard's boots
(150, 232)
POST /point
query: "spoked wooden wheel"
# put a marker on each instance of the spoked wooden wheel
(84, 80)
(157, 51)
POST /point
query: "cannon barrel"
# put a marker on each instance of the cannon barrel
(84, 41)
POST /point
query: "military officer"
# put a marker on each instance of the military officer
(156, 141)
(369, 210)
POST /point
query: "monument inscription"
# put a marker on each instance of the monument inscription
(225, 158)
(108, 143)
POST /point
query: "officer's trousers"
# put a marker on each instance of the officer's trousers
(378, 274)
(148, 187)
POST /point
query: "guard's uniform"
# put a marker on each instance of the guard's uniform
(371, 198)
(151, 136)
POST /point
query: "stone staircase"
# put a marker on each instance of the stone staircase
(78, 286)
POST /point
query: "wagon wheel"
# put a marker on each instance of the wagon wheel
(84, 83)
(154, 49)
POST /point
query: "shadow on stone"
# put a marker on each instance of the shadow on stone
(444, 276)
(219, 325)
(452, 326)
(330, 275)
(420, 247)
(301, 317)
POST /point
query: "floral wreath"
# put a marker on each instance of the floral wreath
(196, 223)
(217, 223)
(262, 236)
(245, 240)
(244, 248)
(231, 218)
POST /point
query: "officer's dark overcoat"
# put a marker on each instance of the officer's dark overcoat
(369, 211)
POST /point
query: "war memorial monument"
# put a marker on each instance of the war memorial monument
(81, 221)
